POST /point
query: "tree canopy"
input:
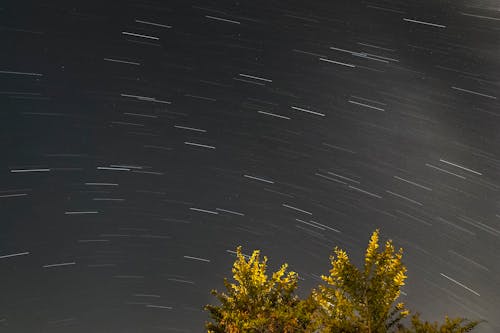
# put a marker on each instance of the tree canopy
(256, 302)
(351, 300)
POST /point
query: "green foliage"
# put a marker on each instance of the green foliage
(257, 303)
(451, 325)
(350, 301)
(363, 299)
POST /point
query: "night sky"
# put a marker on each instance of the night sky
(142, 141)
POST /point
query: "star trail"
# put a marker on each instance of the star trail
(143, 141)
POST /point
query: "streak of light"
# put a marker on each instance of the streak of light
(196, 258)
(460, 284)
(14, 255)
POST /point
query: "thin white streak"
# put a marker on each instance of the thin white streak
(460, 284)
(280, 193)
(140, 115)
(312, 225)
(339, 148)
(139, 35)
(199, 145)
(480, 225)
(473, 92)
(469, 260)
(13, 195)
(297, 209)
(196, 258)
(149, 172)
(337, 62)
(125, 166)
(414, 218)
(385, 9)
(59, 265)
(259, 179)
(405, 198)
(20, 73)
(456, 226)
(14, 255)
(235, 253)
(330, 178)
(274, 115)
(29, 170)
(376, 47)
(159, 307)
(145, 98)
(153, 24)
(308, 111)
(460, 167)
(341, 50)
(309, 53)
(365, 192)
(113, 168)
(410, 182)
(481, 16)
(190, 128)
(249, 81)
(181, 281)
(343, 177)
(255, 77)
(201, 97)
(221, 19)
(127, 123)
(445, 171)
(203, 210)
(123, 61)
(365, 56)
(230, 211)
(366, 105)
(311, 232)
(425, 23)
(81, 212)
(324, 226)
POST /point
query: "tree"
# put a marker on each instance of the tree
(450, 325)
(257, 303)
(350, 301)
(363, 300)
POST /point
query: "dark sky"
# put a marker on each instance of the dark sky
(142, 141)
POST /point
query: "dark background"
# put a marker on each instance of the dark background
(404, 137)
